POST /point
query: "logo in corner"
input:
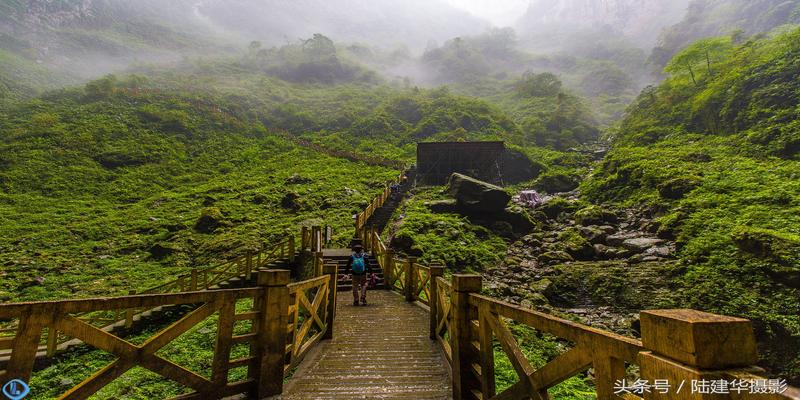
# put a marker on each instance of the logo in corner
(16, 389)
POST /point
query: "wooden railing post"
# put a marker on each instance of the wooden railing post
(318, 263)
(316, 238)
(388, 269)
(248, 268)
(409, 282)
(129, 312)
(690, 345)
(291, 249)
(304, 238)
(193, 281)
(433, 301)
(274, 319)
(332, 270)
(461, 335)
(52, 340)
(26, 343)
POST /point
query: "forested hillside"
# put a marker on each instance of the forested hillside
(140, 139)
(714, 153)
(721, 17)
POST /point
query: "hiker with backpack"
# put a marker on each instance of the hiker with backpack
(358, 267)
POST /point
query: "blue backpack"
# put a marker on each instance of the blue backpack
(358, 264)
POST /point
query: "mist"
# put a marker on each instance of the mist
(414, 42)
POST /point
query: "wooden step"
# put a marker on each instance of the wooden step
(378, 351)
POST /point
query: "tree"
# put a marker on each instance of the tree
(703, 53)
(319, 47)
(538, 85)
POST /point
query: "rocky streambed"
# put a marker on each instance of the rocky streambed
(595, 264)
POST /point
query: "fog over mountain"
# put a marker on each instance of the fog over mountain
(549, 24)
(388, 23)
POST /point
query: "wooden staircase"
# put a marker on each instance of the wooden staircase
(340, 257)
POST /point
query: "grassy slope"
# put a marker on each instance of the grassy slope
(734, 136)
(83, 226)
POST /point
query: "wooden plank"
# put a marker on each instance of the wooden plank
(624, 347)
(517, 391)
(222, 349)
(488, 387)
(145, 301)
(308, 284)
(511, 348)
(98, 338)
(175, 372)
(562, 367)
(98, 380)
(26, 344)
(246, 338)
(247, 316)
(182, 325)
(241, 362)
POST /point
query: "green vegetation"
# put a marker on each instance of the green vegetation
(95, 183)
(716, 153)
(447, 237)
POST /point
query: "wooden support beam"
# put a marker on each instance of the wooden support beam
(433, 301)
(271, 343)
(332, 270)
(463, 356)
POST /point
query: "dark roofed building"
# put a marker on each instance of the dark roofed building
(436, 161)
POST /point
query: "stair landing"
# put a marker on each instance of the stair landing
(379, 351)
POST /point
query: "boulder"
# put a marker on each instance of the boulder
(659, 251)
(443, 206)
(555, 257)
(296, 179)
(290, 201)
(677, 188)
(557, 206)
(619, 238)
(641, 244)
(595, 215)
(571, 241)
(210, 220)
(780, 247)
(557, 183)
(594, 234)
(518, 218)
(160, 251)
(477, 196)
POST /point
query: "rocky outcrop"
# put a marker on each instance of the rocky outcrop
(557, 183)
(210, 220)
(477, 196)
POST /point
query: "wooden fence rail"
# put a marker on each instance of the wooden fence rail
(677, 346)
(194, 280)
(286, 321)
(362, 230)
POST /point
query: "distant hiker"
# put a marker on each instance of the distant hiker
(358, 266)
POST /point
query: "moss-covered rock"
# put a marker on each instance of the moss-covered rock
(780, 247)
(557, 183)
(571, 241)
(555, 257)
(595, 215)
(553, 208)
(678, 188)
(477, 196)
(210, 220)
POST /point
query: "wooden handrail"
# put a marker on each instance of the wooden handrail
(468, 326)
(376, 203)
(196, 279)
(275, 304)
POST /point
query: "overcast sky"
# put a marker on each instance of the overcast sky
(499, 12)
